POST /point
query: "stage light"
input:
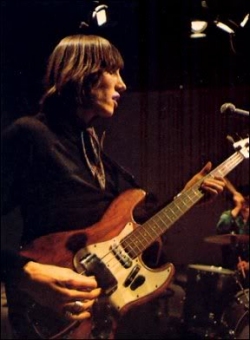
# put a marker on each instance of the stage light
(237, 32)
(100, 15)
(226, 25)
(199, 18)
(232, 17)
(197, 28)
(231, 24)
(96, 16)
(245, 20)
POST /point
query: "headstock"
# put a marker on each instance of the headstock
(242, 146)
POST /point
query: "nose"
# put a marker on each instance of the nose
(121, 86)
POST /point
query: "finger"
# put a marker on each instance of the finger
(78, 310)
(205, 170)
(221, 181)
(74, 317)
(81, 282)
(74, 295)
(213, 185)
(209, 190)
(77, 307)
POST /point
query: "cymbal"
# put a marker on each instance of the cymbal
(227, 239)
(212, 269)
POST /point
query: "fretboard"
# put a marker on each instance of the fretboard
(141, 238)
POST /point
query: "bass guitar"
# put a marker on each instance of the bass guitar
(112, 251)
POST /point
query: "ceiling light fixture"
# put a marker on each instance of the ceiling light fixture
(197, 28)
(227, 26)
(100, 15)
(245, 20)
(96, 13)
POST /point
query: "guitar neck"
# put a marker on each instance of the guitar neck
(141, 238)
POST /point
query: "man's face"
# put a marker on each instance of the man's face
(105, 96)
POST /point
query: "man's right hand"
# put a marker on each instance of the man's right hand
(61, 289)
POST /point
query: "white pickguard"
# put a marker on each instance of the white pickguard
(124, 296)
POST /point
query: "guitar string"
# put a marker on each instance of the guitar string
(232, 161)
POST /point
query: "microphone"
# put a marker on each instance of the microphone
(230, 108)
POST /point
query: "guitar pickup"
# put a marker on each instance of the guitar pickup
(121, 255)
(94, 266)
(131, 275)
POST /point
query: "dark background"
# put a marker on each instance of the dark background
(168, 124)
(153, 36)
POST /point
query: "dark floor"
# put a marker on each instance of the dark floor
(172, 316)
(200, 305)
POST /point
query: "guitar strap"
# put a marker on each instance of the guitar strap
(92, 153)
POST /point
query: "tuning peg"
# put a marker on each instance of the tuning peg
(230, 139)
(238, 136)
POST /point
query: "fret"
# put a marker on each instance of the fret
(145, 233)
(136, 246)
(127, 246)
(155, 226)
(171, 215)
(144, 244)
(172, 212)
(182, 205)
(160, 221)
(152, 227)
(135, 240)
(186, 199)
(139, 239)
(168, 220)
(141, 236)
(178, 209)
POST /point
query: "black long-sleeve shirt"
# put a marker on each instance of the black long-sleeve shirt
(44, 171)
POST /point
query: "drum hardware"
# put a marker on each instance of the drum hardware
(242, 269)
(208, 291)
(235, 317)
(244, 291)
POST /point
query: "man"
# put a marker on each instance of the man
(236, 221)
(55, 169)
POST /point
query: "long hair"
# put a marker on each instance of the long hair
(74, 67)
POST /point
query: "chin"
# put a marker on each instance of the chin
(106, 114)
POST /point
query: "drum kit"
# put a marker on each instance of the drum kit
(216, 303)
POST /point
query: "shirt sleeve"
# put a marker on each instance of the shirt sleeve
(226, 223)
(11, 265)
(13, 163)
